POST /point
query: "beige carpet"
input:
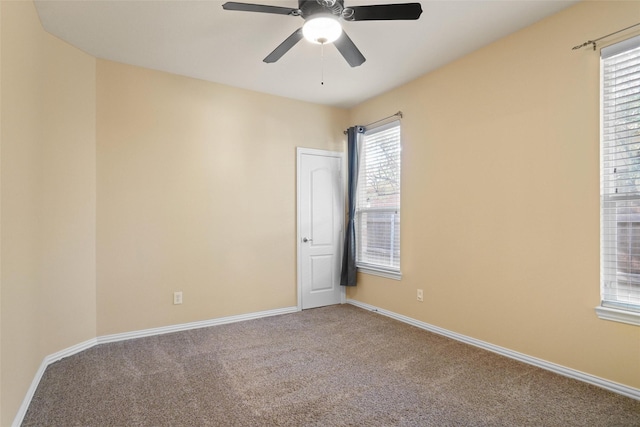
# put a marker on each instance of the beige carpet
(332, 366)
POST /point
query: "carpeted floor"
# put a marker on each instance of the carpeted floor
(332, 366)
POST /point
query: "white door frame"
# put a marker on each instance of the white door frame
(312, 151)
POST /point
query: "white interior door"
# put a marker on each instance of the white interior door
(320, 225)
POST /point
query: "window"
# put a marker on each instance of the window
(620, 182)
(378, 202)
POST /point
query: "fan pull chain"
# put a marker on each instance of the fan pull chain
(322, 64)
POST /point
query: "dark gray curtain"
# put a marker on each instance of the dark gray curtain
(348, 274)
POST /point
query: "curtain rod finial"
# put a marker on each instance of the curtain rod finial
(587, 43)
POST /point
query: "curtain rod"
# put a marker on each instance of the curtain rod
(593, 42)
(398, 114)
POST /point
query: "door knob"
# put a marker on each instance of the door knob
(304, 239)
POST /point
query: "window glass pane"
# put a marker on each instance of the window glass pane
(378, 201)
(620, 179)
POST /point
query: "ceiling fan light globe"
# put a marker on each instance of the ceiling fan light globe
(322, 29)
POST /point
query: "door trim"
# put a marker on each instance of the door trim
(315, 152)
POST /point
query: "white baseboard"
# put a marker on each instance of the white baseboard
(22, 411)
(193, 325)
(70, 351)
(622, 389)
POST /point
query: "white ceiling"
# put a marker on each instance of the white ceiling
(199, 39)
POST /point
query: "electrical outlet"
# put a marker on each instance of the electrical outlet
(420, 295)
(177, 298)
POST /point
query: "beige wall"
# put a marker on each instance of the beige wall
(196, 193)
(500, 206)
(69, 197)
(48, 199)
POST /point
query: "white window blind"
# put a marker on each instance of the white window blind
(620, 176)
(378, 199)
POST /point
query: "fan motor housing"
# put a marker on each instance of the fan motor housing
(309, 8)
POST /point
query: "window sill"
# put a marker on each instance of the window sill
(395, 275)
(616, 315)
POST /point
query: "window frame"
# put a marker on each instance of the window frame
(609, 309)
(367, 267)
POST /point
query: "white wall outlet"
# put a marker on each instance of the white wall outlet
(177, 298)
(420, 295)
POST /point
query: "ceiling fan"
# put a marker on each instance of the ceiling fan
(322, 23)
